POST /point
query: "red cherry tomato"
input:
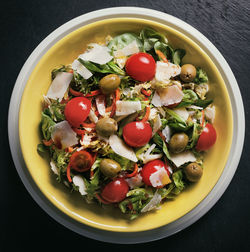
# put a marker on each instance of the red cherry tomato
(77, 110)
(81, 161)
(152, 167)
(115, 191)
(141, 66)
(137, 134)
(207, 138)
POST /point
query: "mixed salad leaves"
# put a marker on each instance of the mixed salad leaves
(127, 123)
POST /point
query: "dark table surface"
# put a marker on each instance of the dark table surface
(23, 25)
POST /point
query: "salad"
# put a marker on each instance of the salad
(126, 124)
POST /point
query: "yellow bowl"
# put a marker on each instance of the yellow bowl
(64, 52)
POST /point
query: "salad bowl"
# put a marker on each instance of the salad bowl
(106, 223)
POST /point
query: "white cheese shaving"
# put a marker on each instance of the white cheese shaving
(166, 132)
(182, 158)
(59, 86)
(135, 181)
(166, 70)
(153, 203)
(78, 181)
(182, 112)
(63, 132)
(81, 69)
(153, 113)
(97, 54)
(53, 167)
(127, 107)
(100, 104)
(156, 100)
(157, 124)
(86, 140)
(210, 113)
(170, 95)
(92, 116)
(159, 178)
(120, 148)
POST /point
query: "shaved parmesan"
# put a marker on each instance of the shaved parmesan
(171, 95)
(166, 132)
(120, 148)
(92, 116)
(156, 100)
(182, 112)
(78, 181)
(182, 158)
(86, 140)
(153, 113)
(210, 113)
(63, 135)
(135, 181)
(53, 167)
(153, 203)
(97, 54)
(166, 70)
(159, 178)
(157, 124)
(81, 69)
(128, 49)
(127, 107)
(100, 104)
(59, 86)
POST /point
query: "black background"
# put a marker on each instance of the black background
(23, 25)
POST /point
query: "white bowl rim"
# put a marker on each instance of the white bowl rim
(238, 125)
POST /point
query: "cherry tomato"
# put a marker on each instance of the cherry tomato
(141, 66)
(115, 191)
(137, 134)
(81, 161)
(77, 110)
(152, 167)
(207, 138)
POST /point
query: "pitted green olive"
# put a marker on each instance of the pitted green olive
(109, 83)
(109, 167)
(188, 72)
(193, 172)
(178, 142)
(106, 126)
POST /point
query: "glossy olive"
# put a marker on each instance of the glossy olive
(109, 83)
(193, 172)
(178, 142)
(106, 127)
(109, 167)
(188, 72)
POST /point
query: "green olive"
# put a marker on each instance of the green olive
(106, 127)
(109, 167)
(193, 172)
(178, 142)
(109, 83)
(188, 72)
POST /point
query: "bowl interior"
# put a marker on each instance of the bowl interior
(64, 52)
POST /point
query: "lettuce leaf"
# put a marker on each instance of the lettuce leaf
(46, 126)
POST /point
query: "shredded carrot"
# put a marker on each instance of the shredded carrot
(161, 55)
(202, 118)
(89, 125)
(75, 93)
(69, 149)
(79, 131)
(146, 92)
(116, 98)
(93, 93)
(146, 116)
(161, 135)
(101, 199)
(68, 172)
(47, 143)
(130, 175)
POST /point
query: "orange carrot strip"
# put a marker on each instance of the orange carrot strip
(146, 116)
(146, 92)
(89, 125)
(101, 199)
(68, 173)
(116, 98)
(129, 175)
(75, 93)
(161, 135)
(47, 143)
(93, 93)
(161, 55)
